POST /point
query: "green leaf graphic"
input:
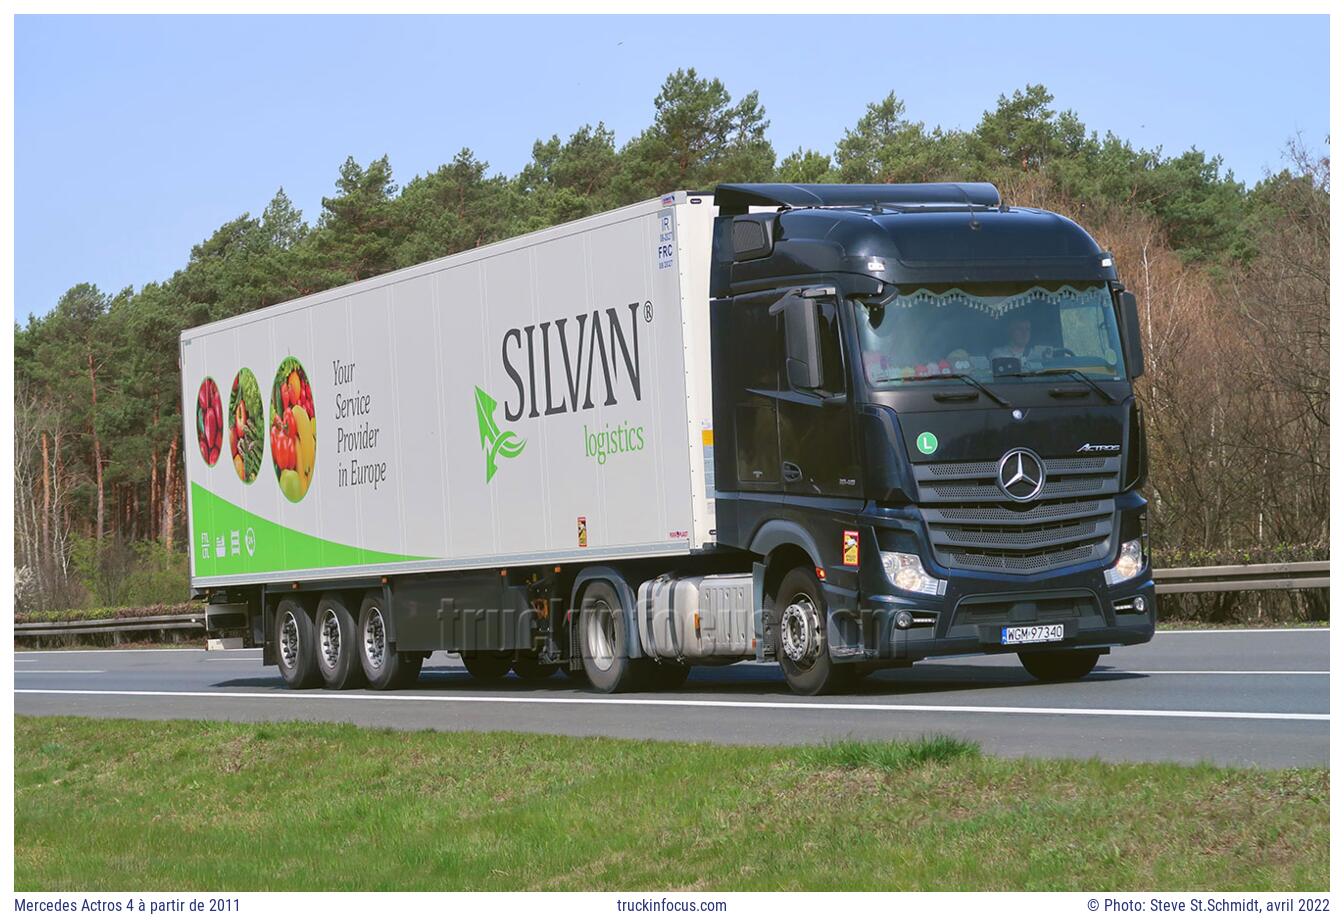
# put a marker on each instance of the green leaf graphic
(493, 441)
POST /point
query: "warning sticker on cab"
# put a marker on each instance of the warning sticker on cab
(849, 554)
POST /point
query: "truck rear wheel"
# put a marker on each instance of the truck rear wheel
(804, 655)
(604, 642)
(295, 645)
(384, 668)
(1059, 666)
(337, 645)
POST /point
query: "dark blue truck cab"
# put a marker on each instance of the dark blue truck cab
(926, 429)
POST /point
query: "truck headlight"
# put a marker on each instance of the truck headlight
(1128, 565)
(906, 573)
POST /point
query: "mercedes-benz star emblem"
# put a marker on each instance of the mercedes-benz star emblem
(1021, 475)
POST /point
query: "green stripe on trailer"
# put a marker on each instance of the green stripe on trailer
(229, 540)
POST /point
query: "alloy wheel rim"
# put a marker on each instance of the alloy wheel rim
(375, 639)
(601, 630)
(800, 631)
(331, 640)
(289, 640)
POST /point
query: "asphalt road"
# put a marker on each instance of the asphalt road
(1240, 697)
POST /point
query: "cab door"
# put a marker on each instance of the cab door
(816, 439)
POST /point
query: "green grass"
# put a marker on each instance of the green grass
(114, 805)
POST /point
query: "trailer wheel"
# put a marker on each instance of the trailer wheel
(527, 666)
(384, 668)
(804, 655)
(1059, 666)
(603, 641)
(337, 644)
(295, 646)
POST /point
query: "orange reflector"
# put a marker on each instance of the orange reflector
(557, 568)
(383, 579)
(503, 572)
(696, 620)
(821, 574)
(294, 586)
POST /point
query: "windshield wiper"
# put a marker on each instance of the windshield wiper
(1062, 372)
(965, 378)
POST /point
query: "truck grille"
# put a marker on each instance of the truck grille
(972, 525)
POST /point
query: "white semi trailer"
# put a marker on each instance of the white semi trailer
(512, 452)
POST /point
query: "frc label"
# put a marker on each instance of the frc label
(666, 240)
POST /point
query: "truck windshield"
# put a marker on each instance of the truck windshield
(988, 331)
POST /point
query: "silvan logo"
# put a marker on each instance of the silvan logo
(1098, 447)
(494, 442)
(594, 345)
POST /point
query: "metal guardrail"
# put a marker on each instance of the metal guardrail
(1276, 576)
(114, 625)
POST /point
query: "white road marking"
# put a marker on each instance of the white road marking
(47, 671)
(703, 704)
(103, 651)
(1266, 629)
(1237, 673)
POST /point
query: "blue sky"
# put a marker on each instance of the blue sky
(137, 136)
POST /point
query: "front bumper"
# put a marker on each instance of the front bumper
(970, 617)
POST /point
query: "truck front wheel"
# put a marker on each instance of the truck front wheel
(604, 642)
(337, 652)
(804, 656)
(1059, 666)
(295, 645)
(385, 668)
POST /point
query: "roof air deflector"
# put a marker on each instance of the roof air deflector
(739, 198)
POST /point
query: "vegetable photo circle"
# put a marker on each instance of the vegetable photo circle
(245, 425)
(293, 429)
(209, 421)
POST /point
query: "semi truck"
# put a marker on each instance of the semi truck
(838, 427)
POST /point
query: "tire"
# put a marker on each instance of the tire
(295, 645)
(383, 667)
(800, 619)
(669, 675)
(529, 668)
(336, 643)
(487, 666)
(1059, 666)
(603, 641)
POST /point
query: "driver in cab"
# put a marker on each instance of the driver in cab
(1019, 345)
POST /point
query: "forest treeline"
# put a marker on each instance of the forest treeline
(1232, 279)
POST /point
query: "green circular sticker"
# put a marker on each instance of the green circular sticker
(927, 442)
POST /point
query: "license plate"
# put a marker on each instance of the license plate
(1022, 635)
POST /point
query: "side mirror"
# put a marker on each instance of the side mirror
(802, 341)
(1129, 311)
